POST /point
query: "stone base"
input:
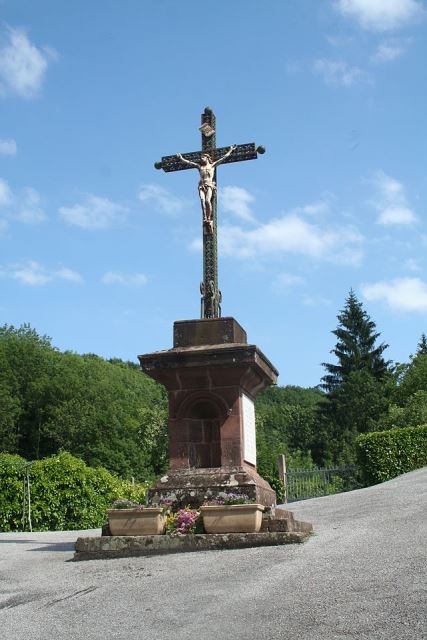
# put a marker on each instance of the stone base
(194, 486)
(127, 546)
(282, 520)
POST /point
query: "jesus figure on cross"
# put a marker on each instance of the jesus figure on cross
(207, 186)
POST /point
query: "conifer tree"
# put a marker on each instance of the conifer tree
(357, 387)
(422, 346)
(355, 348)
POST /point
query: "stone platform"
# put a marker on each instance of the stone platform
(105, 547)
(278, 528)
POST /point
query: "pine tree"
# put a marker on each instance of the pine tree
(355, 348)
(422, 346)
(357, 387)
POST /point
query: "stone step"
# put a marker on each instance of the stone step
(126, 546)
(283, 520)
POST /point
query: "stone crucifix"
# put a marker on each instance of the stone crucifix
(206, 162)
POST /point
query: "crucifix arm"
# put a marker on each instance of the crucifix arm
(225, 156)
(189, 162)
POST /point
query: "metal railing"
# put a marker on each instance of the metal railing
(302, 484)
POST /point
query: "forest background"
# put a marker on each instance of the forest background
(109, 414)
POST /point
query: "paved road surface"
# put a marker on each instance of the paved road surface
(362, 575)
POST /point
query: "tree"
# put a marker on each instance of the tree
(422, 346)
(355, 348)
(413, 377)
(358, 387)
(95, 409)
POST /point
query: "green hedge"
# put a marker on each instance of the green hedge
(386, 454)
(66, 494)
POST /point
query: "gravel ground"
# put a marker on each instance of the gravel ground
(362, 575)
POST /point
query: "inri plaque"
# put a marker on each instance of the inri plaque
(249, 434)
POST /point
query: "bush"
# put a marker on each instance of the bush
(65, 493)
(386, 454)
(11, 491)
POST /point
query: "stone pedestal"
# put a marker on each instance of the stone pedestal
(212, 377)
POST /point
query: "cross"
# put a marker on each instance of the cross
(211, 295)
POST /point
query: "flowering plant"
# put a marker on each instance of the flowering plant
(165, 505)
(231, 498)
(183, 521)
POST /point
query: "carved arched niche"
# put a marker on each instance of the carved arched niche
(204, 418)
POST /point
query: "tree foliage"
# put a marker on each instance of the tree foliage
(107, 413)
(358, 386)
(409, 400)
(65, 493)
(386, 454)
(286, 425)
(355, 349)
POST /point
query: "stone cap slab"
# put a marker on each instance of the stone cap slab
(208, 331)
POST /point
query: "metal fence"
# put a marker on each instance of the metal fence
(302, 484)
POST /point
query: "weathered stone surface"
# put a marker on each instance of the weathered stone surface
(125, 546)
(270, 524)
(194, 333)
(194, 486)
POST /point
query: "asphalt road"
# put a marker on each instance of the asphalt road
(362, 575)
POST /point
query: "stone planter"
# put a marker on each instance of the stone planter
(136, 522)
(232, 518)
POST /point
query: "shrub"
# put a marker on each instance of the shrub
(11, 491)
(65, 493)
(386, 454)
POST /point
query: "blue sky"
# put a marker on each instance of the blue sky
(102, 252)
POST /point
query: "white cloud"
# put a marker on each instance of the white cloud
(388, 51)
(396, 215)
(160, 199)
(29, 208)
(313, 209)
(380, 15)
(8, 147)
(237, 200)
(391, 201)
(22, 64)
(316, 301)
(292, 234)
(68, 274)
(403, 294)
(94, 213)
(25, 207)
(339, 72)
(6, 196)
(129, 280)
(32, 273)
(285, 281)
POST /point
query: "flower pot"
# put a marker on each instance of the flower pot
(232, 518)
(136, 522)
